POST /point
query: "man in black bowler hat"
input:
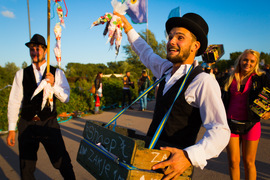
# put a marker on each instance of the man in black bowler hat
(199, 102)
(38, 125)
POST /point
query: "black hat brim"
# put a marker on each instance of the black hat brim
(37, 39)
(192, 27)
(29, 43)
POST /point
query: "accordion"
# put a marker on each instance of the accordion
(261, 105)
(213, 53)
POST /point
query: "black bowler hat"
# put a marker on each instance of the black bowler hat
(195, 24)
(37, 39)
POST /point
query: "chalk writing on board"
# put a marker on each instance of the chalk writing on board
(117, 176)
(96, 136)
(143, 178)
(157, 157)
(99, 162)
(122, 146)
(83, 150)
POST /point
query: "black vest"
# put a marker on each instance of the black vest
(184, 121)
(30, 108)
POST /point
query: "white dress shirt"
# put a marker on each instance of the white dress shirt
(203, 93)
(61, 90)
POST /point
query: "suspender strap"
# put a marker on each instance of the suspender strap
(144, 93)
(162, 123)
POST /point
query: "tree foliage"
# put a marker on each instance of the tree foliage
(24, 64)
(133, 58)
(7, 74)
(265, 57)
(84, 70)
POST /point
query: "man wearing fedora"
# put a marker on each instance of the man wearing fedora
(199, 102)
(35, 125)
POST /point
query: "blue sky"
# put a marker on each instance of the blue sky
(238, 24)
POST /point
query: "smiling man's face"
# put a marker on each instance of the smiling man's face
(180, 45)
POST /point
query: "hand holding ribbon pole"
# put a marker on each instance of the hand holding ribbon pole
(44, 85)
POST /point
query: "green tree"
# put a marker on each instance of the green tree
(24, 64)
(84, 70)
(116, 67)
(265, 57)
(132, 58)
(7, 74)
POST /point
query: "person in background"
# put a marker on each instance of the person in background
(267, 69)
(98, 89)
(126, 89)
(35, 125)
(207, 67)
(231, 70)
(143, 83)
(217, 74)
(198, 104)
(244, 84)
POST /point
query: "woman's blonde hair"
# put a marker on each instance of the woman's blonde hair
(236, 72)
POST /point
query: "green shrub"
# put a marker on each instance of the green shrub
(80, 98)
(4, 95)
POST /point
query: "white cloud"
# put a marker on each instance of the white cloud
(8, 14)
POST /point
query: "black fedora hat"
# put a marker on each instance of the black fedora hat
(37, 39)
(195, 24)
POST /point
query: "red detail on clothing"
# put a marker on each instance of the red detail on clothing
(97, 104)
(238, 106)
(253, 134)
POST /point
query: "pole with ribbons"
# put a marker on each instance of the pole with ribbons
(48, 35)
(48, 41)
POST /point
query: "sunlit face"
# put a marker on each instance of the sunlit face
(248, 63)
(37, 53)
(179, 45)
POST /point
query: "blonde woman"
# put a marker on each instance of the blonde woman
(241, 88)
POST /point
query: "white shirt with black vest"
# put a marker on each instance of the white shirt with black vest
(61, 90)
(203, 93)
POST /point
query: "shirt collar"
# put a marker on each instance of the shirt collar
(42, 67)
(183, 69)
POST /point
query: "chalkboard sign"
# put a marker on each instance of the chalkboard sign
(115, 143)
(119, 157)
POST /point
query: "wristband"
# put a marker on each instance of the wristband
(128, 29)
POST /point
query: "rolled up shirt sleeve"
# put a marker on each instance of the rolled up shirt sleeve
(61, 87)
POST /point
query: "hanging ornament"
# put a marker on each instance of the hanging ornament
(58, 30)
(114, 24)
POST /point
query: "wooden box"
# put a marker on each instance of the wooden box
(119, 157)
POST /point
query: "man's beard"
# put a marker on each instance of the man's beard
(181, 57)
(38, 60)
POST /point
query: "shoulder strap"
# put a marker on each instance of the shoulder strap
(162, 123)
(145, 92)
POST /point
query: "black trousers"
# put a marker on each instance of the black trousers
(126, 92)
(48, 132)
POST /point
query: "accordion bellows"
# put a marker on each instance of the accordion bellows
(213, 53)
